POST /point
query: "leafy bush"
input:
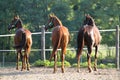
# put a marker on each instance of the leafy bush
(66, 64)
(47, 63)
(71, 56)
(110, 65)
(41, 63)
(102, 66)
(74, 65)
(84, 65)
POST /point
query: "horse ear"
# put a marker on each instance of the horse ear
(87, 14)
(16, 17)
(50, 15)
(53, 14)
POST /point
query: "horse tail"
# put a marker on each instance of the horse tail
(56, 46)
(80, 42)
(22, 43)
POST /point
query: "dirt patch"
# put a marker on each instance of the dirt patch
(47, 74)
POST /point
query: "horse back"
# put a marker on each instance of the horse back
(60, 31)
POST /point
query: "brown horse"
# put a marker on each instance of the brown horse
(60, 39)
(22, 40)
(88, 35)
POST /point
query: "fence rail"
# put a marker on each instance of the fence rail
(35, 33)
(43, 33)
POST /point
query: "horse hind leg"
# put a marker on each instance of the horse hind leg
(89, 58)
(17, 63)
(78, 59)
(55, 62)
(63, 58)
(27, 52)
(55, 58)
(79, 52)
(23, 61)
(27, 61)
(95, 63)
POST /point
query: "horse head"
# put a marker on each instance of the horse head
(89, 20)
(50, 23)
(53, 21)
(15, 23)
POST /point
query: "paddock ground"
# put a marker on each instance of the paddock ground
(41, 73)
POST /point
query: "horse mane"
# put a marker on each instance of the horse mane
(60, 23)
(18, 18)
(21, 22)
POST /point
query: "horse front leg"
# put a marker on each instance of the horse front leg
(17, 63)
(89, 58)
(55, 59)
(95, 63)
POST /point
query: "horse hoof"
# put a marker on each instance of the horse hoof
(90, 70)
(54, 72)
(28, 69)
(78, 70)
(17, 68)
(63, 71)
(95, 69)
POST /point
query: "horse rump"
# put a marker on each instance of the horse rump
(22, 43)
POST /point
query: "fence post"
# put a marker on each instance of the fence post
(117, 47)
(43, 57)
(3, 59)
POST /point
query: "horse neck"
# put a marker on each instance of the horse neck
(19, 26)
(58, 23)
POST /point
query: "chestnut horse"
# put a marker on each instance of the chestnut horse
(60, 39)
(22, 40)
(88, 35)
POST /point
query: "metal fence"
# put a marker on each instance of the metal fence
(43, 49)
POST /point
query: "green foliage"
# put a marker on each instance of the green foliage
(39, 63)
(102, 66)
(70, 56)
(66, 64)
(108, 65)
(47, 63)
(83, 64)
